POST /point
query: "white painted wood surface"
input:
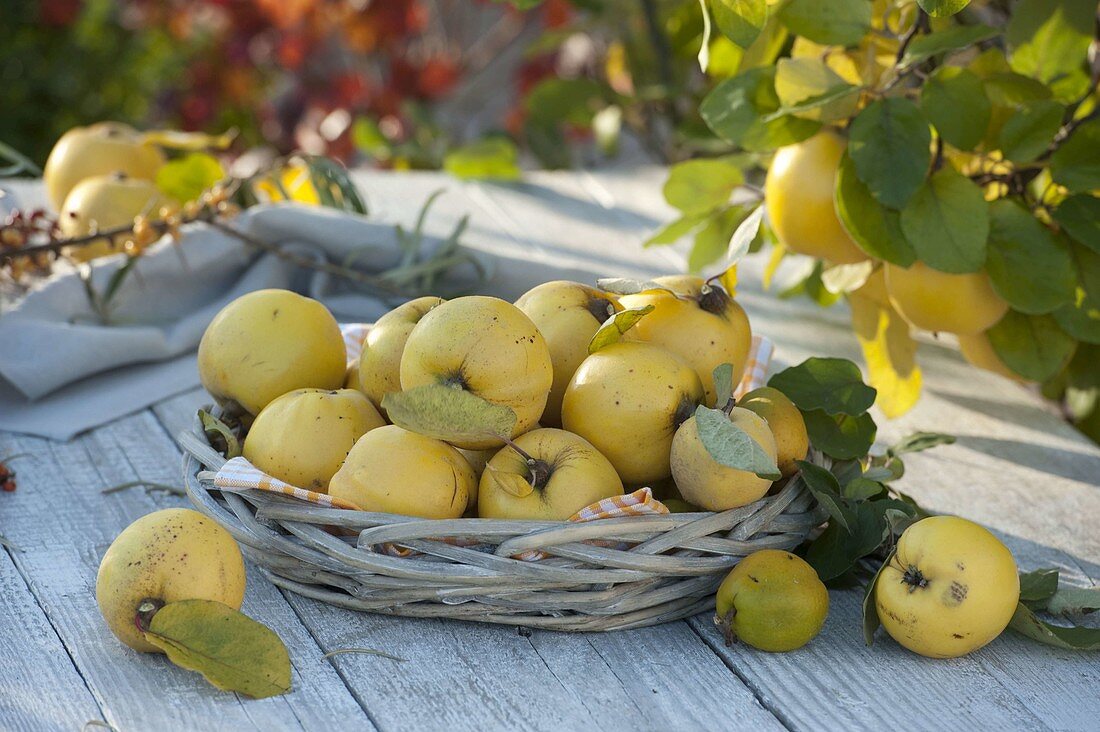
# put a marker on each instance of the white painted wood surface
(1016, 468)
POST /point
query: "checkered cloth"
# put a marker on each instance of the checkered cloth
(239, 475)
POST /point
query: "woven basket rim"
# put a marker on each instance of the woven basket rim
(605, 574)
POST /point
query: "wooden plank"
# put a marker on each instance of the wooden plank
(31, 650)
(469, 676)
(63, 524)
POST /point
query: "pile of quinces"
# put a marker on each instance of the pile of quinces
(530, 410)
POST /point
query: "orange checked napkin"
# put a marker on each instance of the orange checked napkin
(239, 475)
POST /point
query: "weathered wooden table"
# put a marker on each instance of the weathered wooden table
(1016, 468)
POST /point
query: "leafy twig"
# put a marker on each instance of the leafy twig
(148, 485)
(365, 651)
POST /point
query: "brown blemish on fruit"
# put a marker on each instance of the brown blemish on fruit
(955, 594)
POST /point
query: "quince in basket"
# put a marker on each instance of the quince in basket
(303, 436)
(267, 343)
(380, 362)
(698, 322)
(567, 314)
(546, 474)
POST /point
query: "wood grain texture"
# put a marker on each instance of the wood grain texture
(63, 524)
(30, 651)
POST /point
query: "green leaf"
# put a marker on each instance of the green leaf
(874, 227)
(731, 446)
(1027, 624)
(1074, 601)
(1031, 345)
(843, 437)
(871, 622)
(185, 178)
(1079, 216)
(1029, 132)
(696, 186)
(736, 109)
(836, 551)
(740, 20)
(1076, 163)
(889, 145)
(220, 435)
(1081, 318)
(947, 223)
(826, 490)
(368, 139)
(847, 278)
(1050, 38)
(723, 383)
(920, 441)
(863, 489)
(673, 231)
(556, 101)
(952, 38)
(1030, 268)
(232, 651)
(1038, 586)
(712, 241)
(942, 8)
(808, 88)
(955, 103)
(834, 385)
(828, 22)
(624, 286)
(447, 413)
(493, 158)
(614, 327)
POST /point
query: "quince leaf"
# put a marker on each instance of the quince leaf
(871, 622)
(842, 437)
(1073, 638)
(447, 413)
(623, 286)
(833, 385)
(232, 651)
(185, 179)
(511, 483)
(918, 441)
(826, 490)
(1070, 601)
(217, 430)
(614, 327)
(1037, 587)
(731, 446)
(723, 383)
(890, 353)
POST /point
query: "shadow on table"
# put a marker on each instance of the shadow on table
(1080, 466)
(1010, 412)
(583, 208)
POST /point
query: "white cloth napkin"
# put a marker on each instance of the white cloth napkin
(62, 372)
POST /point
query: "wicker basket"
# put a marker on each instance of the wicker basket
(670, 570)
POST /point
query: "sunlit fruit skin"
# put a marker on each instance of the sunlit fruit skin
(773, 601)
(99, 149)
(706, 483)
(627, 399)
(392, 470)
(704, 331)
(937, 301)
(351, 378)
(380, 361)
(169, 555)
(489, 348)
(106, 202)
(303, 436)
(799, 192)
(978, 351)
(950, 588)
(792, 442)
(267, 343)
(578, 475)
(567, 314)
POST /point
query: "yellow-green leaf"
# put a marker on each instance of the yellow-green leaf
(890, 353)
(614, 327)
(219, 432)
(184, 179)
(448, 413)
(233, 652)
(511, 483)
(179, 140)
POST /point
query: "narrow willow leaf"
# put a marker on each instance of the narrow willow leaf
(871, 622)
(834, 385)
(731, 446)
(742, 238)
(232, 651)
(919, 441)
(614, 327)
(215, 429)
(447, 413)
(1028, 624)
